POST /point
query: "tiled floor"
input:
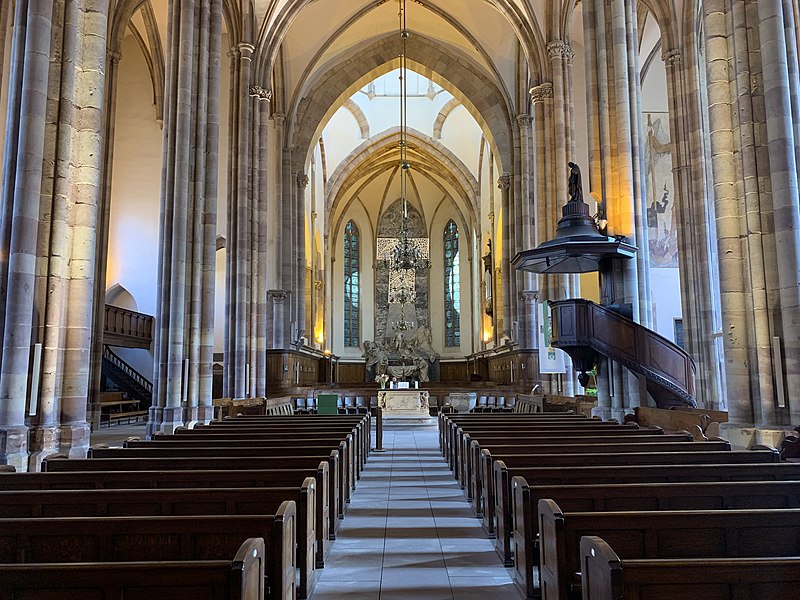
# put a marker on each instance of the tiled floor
(409, 532)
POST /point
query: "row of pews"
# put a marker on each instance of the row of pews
(582, 508)
(243, 508)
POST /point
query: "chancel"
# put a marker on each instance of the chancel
(570, 229)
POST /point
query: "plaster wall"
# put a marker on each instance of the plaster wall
(136, 184)
(461, 134)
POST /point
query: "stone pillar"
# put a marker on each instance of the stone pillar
(528, 334)
(751, 54)
(278, 318)
(101, 244)
(696, 228)
(502, 306)
(240, 233)
(300, 265)
(779, 54)
(616, 158)
(51, 184)
(184, 340)
(258, 301)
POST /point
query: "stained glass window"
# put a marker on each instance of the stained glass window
(452, 293)
(352, 266)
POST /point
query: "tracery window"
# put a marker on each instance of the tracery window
(452, 293)
(352, 267)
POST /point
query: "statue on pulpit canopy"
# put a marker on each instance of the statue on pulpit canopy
(575, 186)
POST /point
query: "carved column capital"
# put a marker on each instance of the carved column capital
(560, 49)
(277, 296)
(262, 94)
(113, 57)
(504, 182)
(672, 57)
(541, 92)
(302, 181)
(524, 121)
(245, 50)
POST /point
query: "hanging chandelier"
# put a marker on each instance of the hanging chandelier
(407, 255)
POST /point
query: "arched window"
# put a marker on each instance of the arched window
(352, 266)
(452, 293)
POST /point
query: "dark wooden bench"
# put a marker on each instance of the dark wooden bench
(239, 579)
(276, 434)
(544, 430)
(233, 478)
(497, 489)
(636, 497)
(186, 501)
(667, 534)
(467, 452)
(181, 463)
(450, 428)
(361, 423)
(345, 463)
(469, 456)
(604, 575)
(173, 538)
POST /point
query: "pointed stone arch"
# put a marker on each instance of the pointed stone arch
(490, 107)
(371, 155)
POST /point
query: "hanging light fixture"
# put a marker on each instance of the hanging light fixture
(407, 255)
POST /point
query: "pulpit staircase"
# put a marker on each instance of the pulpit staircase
(126, 378)
(584, 330)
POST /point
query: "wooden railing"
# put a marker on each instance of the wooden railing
(127, 328)
(140, 385)
(581, 327)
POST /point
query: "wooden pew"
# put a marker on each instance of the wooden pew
(276, 434)
(636, 497)
(186, 501)
(206, 441)
(604, 575)
(469, 456)
(190, 479)
(466, 451)
(668, 534)
(239, 579)
(173, 538)
(497, 489)
(536, 429)
(345, 463)
(446, 420)
(311, 423)
(182, 463)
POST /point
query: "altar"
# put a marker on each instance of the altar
(405, 406)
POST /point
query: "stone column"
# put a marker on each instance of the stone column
(302, 274)
(278, 318)
(502, 312)
(779, 55)
(101, 244)
(5, 11)
(240, 233)
(259, 285)
(696, 228)
(51, 184)
(528, 334)
(616, 158)
(185, 305)
(751, 55)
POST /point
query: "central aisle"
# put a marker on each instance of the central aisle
(409, 532)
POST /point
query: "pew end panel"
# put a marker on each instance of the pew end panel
(604, 576)
(523, 538)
